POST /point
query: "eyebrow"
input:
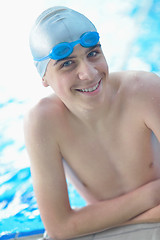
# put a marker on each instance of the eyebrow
(91, 48)
(71, 57)
(64, 59)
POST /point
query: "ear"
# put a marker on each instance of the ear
(44, 82)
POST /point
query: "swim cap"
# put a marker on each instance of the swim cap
(53, 26)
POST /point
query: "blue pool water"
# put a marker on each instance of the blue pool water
(18, 208)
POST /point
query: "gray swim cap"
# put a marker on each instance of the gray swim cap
(53, 26)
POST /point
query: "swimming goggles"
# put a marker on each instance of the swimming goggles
(64, 49)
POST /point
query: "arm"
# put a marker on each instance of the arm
(50, 187)
(152, 215)
(150, 99)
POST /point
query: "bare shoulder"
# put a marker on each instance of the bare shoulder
(144, 85)
(143, 79)
(139, 93)
(44, 118)
(137, 82)
(129, 76)
(46, 110)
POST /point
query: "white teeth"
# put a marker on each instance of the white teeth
(90, 89)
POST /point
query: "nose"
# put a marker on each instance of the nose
(87, 71)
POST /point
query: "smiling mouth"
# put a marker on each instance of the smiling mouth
(90, 89)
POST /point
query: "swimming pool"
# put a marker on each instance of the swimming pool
(18, 207)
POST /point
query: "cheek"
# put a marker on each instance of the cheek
(103, 66)
(59, 85)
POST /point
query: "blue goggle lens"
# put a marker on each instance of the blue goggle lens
(89, 39)
(60, 51)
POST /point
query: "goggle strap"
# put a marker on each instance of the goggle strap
(42, 59)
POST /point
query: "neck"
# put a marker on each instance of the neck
(92, 117)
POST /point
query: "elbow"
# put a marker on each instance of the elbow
(62, 231)
(57, 234)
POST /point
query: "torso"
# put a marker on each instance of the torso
(108, 173)
(115, 159)
(114, 162)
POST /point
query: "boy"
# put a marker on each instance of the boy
(101, 129)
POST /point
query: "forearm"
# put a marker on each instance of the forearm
(106, 214)
(152, 215)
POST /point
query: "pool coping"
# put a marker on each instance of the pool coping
(36, 234)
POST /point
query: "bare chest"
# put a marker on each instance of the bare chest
(115, 158)
(113, 162)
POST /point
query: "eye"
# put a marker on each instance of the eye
(67, 63)
(93, 54)
(95, 51)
